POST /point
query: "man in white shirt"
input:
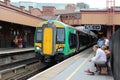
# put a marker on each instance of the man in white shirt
(106, 42)
(99, 58)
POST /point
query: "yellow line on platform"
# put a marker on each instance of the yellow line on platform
(77, 69)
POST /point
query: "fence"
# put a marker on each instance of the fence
(115, 54)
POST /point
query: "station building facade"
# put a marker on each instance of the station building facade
(16, 21)
(8, 32)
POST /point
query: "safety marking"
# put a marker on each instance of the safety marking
(81, 54)
(76, 70)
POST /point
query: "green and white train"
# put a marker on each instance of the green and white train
(55, 40)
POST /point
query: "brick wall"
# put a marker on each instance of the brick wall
(48, 10)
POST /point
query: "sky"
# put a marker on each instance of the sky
(91, 3)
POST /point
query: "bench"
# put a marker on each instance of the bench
(104, 68)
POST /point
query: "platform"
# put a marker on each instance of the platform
(72, 69)
(14, 50)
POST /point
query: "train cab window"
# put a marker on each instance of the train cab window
(60, 35)
(73, 40)
(39, 35)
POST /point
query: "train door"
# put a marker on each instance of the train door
(49, 38)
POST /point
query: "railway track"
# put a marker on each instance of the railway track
(19, 65)
(30, 74)
(29, 71)
(21, 70)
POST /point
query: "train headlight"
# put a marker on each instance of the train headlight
(38, 48)
(60, 49)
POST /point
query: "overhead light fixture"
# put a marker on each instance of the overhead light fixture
(0, 27)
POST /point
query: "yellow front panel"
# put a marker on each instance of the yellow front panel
(47, 39)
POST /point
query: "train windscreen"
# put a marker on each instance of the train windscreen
(60, 35)
(39, 35)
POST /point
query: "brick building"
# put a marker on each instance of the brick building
(16, 21)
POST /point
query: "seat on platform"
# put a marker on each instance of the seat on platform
(104, 68)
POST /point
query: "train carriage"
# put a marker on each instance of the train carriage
(54, 41)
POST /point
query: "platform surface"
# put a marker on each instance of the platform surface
(72, 69)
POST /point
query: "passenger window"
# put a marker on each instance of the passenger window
(39, 35)
(60, 35)
(73, 40)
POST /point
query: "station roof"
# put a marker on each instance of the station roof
(10, 13)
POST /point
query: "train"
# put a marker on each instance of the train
(55, 41)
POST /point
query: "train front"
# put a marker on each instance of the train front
(49, 41)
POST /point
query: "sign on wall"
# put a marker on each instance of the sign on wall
(92, 27)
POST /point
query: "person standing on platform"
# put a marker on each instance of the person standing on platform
(15, 41)
(106, 42)
(20, 45)
(101, 42)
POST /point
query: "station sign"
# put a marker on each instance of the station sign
(92, 27)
